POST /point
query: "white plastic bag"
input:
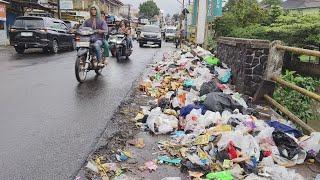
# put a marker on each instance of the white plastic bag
(237, 97)
(160, 123)
(313, 143)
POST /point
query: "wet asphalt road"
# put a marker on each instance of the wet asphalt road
(48, 122)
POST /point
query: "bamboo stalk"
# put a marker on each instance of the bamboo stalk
(293, 117)
(296, 88)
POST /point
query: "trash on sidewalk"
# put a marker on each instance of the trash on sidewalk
(212, 60)
(150, 165)
(161, 123)
(166, 159)
(123, 155)
(224, 75)
(223, 175)
(92, 166)
(138, 143)
(209, 129)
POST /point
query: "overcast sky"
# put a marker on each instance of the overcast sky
(169, 6)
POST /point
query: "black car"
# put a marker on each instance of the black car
(40, 32)
(151, 35)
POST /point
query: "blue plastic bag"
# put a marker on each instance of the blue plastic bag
(284, 128)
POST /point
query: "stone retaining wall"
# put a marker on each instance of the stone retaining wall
(247, 59)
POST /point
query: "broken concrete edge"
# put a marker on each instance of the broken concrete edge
(96, 145)
(253, 43)
(275, 61)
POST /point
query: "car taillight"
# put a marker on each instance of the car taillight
(77, 38)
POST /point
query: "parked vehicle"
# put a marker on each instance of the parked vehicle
(170, 33)
(86, 56)
(72, 25)
(151, 35)
(40, 32)
(118, 46)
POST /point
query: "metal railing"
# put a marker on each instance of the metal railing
(303, 91)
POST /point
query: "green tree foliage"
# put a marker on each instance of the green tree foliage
(149, 9)
(293, 29)
(239, 13)
(295, 101)
(246, 19)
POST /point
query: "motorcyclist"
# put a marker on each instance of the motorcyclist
(96, 23)
(126, 31)
(129, 34)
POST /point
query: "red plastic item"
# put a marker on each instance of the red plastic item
(232, 150)
(267, 153)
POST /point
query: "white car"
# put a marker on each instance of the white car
(150, 35)
(170, 33)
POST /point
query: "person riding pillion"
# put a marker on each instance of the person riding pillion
(105, 42)
(96, 23)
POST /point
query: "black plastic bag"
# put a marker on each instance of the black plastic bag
(218, 101)
(287, 147)
(208, 87)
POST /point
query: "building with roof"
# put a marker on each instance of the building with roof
(302, 6)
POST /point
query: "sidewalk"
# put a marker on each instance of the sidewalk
(163, 133)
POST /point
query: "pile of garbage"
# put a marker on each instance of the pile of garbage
(214, 133)
(209, 130)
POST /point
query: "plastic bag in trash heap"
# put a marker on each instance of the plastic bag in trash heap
(187, 55)
(224, 75)
(218, 101)
(211, 60)
(208, 87)
(285, 128)
(312, 143)
(226, 115)
(246, 143)
(160, 123)
(280, 173)
(288, 147)
(237, 97)
(196, 121)
(265, 136)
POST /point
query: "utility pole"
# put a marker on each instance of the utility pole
(181, 21)
(129, 11)
(59, 9)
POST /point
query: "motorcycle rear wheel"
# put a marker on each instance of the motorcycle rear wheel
(98, 71)
(118, 55)
(80, 71)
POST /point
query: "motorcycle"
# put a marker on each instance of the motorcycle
(118, 46)
(86, 56)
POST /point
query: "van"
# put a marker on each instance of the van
(170, 33)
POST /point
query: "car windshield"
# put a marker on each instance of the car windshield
(68, 24)
(30, 23)
(154, 29)
(171, 31)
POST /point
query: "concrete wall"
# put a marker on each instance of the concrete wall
(247, 59)
(3, 36)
